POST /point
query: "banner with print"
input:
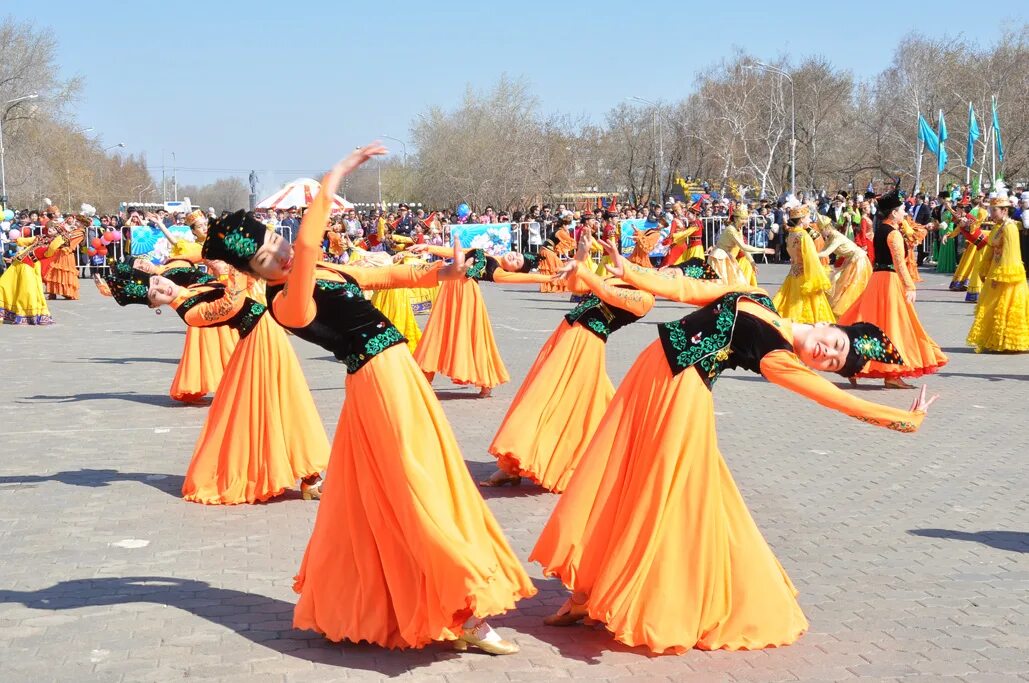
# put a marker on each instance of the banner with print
(493, 238)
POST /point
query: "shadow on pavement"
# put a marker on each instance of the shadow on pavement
(1011, 541)
(166, 483)
(163, 400)
(992, 376)
(257, 618)
(123, 360)
(958, 349)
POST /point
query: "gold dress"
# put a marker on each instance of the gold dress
(850, 273)
(803, 296)
(1002, 315)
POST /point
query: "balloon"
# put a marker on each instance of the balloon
(96, 243)
(26, 232)
(463, 210)
(15, 233)
(8, 215)
(102, 251)
(115, 236)
(91, 251)
(104, 240)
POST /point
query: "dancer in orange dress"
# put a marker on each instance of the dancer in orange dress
(404, 550)
(458, 338)
(652, 535)
(262, 433)
(888, 302)
(552, 417)
(63, 277)
(550, 254)
(206, 350)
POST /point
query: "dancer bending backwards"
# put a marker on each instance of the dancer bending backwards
(889, 303)
(458, 339)
(1002, 315)
(404, 550)
(262, 432)
(560, 403)
(803, 295)
(851, 271)
(652, 535)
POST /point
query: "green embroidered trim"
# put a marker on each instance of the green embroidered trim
(590, 301)
(600, 328)
(241, 246)
(389, 337)
(135, 289)
(250, 316)
(350, 288)
(711, 353)
(478, 267)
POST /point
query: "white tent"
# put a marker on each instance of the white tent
(298, 194)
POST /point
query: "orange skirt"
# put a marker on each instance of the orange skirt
(205, 354)
(883, 304)
(549, 264)
(262, 432)
(458, 338)
(653, 529)
(404, 550)
(63, 277)
(556, 410)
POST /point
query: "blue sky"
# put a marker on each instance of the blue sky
(291, 87)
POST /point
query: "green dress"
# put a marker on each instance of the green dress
(947, 256)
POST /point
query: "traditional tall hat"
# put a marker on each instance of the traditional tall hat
(887, 203)
(193, 216)
(1000, 197)
(186, 276)
(128, 285)
(698, 269)
(234, 239)
(867, 343)
(799, 211)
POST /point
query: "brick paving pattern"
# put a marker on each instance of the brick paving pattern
(911, 552)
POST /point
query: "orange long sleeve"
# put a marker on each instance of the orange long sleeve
(635, 301)
(785, 369)
(509, 278)
(396, 277)
(896, 244)
(209, 313)
(294, 306)
(680, 288)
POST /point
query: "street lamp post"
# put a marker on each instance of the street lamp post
(660, 146)
(3, 169)
(793, 120)
(404, 145)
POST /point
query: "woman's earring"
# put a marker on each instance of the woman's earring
(157, 311)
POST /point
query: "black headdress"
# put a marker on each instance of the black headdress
(128, 285)
(887, 203)
(697, 268)
(185, 276)
(529, 262)
(867, 343)
(234, 239)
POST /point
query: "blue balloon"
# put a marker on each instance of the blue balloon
(463, 210)
(8, 215)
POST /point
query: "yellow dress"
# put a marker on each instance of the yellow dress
(803, 296)
(1002, 314)
(850, 273)
(396, 304)
(723, 257)
(22, 299)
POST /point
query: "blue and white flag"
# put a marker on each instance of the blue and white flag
(973, 135)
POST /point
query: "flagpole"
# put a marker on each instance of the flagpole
(918, 159)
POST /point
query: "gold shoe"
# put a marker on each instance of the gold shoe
(569, 614)
(493, 647)
(497, 482)
(311, 491)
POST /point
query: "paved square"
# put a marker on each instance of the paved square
(911, 552)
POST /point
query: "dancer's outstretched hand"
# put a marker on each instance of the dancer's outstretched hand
(455, 270)
(582, 249)
(921, 404)
(332, 179)
(617, 265)
(565, 271)
(418, 248)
